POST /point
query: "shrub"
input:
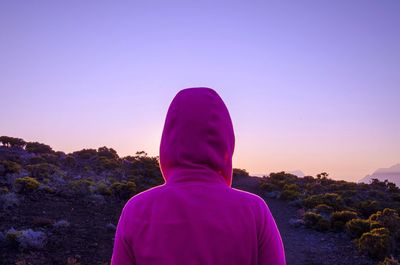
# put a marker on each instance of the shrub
(264, 185)
(240, 172)
(356, 227)
(105, 163)
(323, 225)
(30, 239)
(81, 186)
(331, 199)
(38, 148)
(311, 219)
(123, 190)
(294, 187)
(368, 207)
(9, 167)
(290, 195)
(4, 190)
(390, 261)
(323, 208)
(388, 218)
(36, 160)
(339, 219)
(61, 224)
(26, 184)
(11, 237)
(376, 243)
(107, 152)
(103, 189)
(42, 170)
(12, 141)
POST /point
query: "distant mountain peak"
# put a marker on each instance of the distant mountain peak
(392, 174)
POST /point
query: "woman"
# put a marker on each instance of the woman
(196, 217)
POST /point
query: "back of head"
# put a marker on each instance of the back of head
(198, 136)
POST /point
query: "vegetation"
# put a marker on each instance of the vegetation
(369, 213)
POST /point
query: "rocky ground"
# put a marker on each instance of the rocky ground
(89, 237)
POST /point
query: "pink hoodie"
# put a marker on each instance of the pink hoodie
(196, 217)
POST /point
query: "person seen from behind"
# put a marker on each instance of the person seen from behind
(196, 217)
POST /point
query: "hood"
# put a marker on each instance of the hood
(198, 140)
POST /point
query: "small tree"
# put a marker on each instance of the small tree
(12, 142)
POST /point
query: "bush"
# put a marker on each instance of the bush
(103, 189)
(123, 190)
(356, 227)
(368, 207)
(42, 170)
(38, 148)
(293, 187)
(323, 225)
(264, 185)
(388, 218)
(323, 208)
(4, 190)
(331, 199)
(9, 167)
(12, 141)
(29, 239)
(11, 237)
(376, 243)
(26, 184)
(290, 195)
(339, 219)
(311, 219)
(104, 163)
(390, 261)
(240, 172)
(81, 186)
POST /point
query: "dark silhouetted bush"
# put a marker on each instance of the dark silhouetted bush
(26, 184)
(356, 227)
(38, 148)
(289, 195)
(331, 199)
(376, 243)
(368, 207)
(339, 219)
(323, 225)
(81, 186)
(388, 218)
(240, 172)
(9, 167)
(123, 190)
(12, 141)
(311, 219)
(42, 170)
(390, 261)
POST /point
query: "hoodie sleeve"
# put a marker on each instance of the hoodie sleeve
(270, 245)
(122, 251)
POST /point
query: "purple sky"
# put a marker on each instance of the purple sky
(311, 85)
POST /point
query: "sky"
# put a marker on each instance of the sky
(310, 85)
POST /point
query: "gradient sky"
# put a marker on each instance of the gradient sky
(310, 85)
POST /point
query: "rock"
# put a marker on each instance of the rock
(61, 224)
(111, 227)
